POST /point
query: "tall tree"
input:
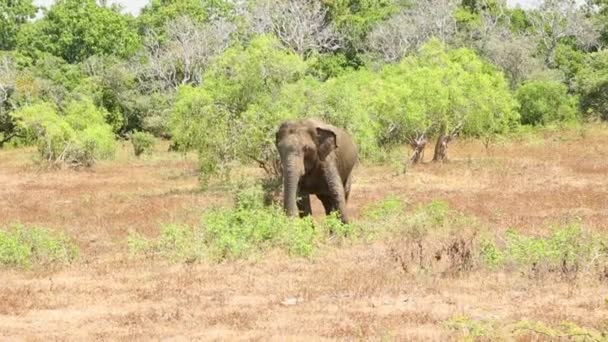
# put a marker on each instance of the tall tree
(156, 15)
(556, 20)
(303, 26)
(408, 30)
(78, 29)
(13, 14)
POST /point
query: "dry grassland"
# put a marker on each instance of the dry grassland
(356, 291)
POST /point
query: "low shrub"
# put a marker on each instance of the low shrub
(566, 251)
(470, 329)
(435, 238)
(77, 137)
(22, 246)
(143, 142)
(546, 102)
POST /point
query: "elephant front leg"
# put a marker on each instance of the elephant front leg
(337, 192)
(304, 204)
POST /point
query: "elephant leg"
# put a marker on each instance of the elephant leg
(336, 190)
(304, 204)
(347, 188)
(327, 203)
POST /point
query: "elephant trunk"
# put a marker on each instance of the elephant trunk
(291, 177)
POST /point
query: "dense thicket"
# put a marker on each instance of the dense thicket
(217, 76)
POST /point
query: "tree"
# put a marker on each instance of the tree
(183, 56)
(405, 32)
(159, 13)
(556, 20)
(592, 83)
(77, 138)
(445, 93)
(77, 29)
(433, 93)
(514, 54)
(302, 25)
(218, 118)
(546, 102)
(8, 72)
(14, 14)
(355, 18)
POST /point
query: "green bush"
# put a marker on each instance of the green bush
(566, 251)
(220, 120)
(22, 246)
(592, 84)
(436, 90)
(249, 228)
(79, 137)
(242, 231)
(143, 142)
(249, 92)
(546, 102)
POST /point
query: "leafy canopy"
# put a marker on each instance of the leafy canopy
(13, 14)
(77, 29)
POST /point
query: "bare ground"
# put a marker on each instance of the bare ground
(354, 292)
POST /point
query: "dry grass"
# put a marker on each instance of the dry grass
(351, 292)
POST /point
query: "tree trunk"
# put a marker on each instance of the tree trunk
(7, 139)
(418, 145)
(441, 148)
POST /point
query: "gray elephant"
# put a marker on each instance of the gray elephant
(317, 159)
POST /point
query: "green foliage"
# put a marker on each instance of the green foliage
(385, 208)
(77, 138)
(221, 119)
(22, 246)
(112, 85)
(176, 243)
(546, 102)
(433, 91)
(243, 231)
(355, 18)
(323, 66)
(77, 29)
(14, 14)
(470, 329)
(143, 142)
(567, 246)
(567, 251)
(157, 13)
(565, 330)
(592, 84)
(569, 60)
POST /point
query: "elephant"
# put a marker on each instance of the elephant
(317, 159)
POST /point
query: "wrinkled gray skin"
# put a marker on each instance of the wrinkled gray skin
(317, 159)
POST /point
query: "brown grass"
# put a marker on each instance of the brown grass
(352, 292)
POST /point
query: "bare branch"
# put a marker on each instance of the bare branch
(558, 19)
(8, 72)
(189, 49)
(301, 25)
(407, 31)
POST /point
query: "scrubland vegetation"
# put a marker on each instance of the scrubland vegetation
(139, 178)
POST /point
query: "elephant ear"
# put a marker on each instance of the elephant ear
(326, 141)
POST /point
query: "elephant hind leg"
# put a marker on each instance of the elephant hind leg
(347, 188)
(328, 203)
(304, 205)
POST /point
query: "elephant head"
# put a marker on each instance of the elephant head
(302, 145)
